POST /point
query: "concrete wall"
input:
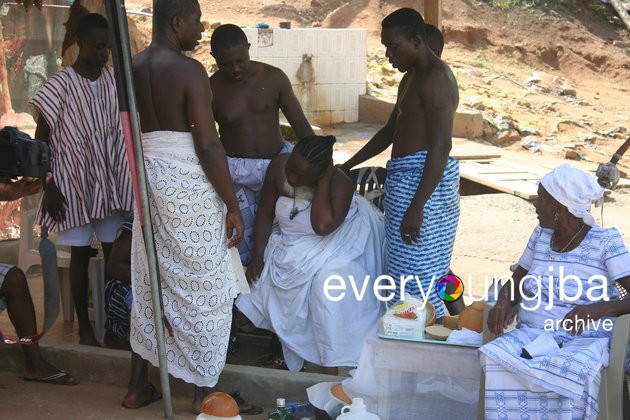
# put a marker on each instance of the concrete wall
(468, 124)
(327, 68)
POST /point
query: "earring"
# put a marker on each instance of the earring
(555, 217)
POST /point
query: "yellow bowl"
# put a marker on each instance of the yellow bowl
(437, 332)
(430, 314)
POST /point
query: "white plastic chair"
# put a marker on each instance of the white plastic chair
(29, 257)
(612, 398)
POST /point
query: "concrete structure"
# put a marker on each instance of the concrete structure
(111, 367)
(467, 124)
(327, 68)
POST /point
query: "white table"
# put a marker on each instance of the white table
(403, 380)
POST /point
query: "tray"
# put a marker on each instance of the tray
(381, 334)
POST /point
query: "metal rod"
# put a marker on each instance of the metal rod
(119, 10)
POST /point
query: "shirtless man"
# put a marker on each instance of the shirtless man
(194, 210)
(247, 98)
(422, 201)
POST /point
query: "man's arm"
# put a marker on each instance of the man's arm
(10, 191)
(291, 108)
(53, 198)
(383, 137)
(264, 216)
(42, 131)
(209, 150)
(377, 144)
(439, 126)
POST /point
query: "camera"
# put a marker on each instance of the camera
(20, 155)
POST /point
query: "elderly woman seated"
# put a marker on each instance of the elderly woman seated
(550, 365)
(324, 229)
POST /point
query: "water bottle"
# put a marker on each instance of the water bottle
(281, 412)
(301, 409)
(492, 296)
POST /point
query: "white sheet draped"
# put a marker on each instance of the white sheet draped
(289, 297)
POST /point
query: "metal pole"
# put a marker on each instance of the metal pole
(119, 15)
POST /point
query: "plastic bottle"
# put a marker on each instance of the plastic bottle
(301, 409)
(357, 411)
(494, 289)
(281, 412)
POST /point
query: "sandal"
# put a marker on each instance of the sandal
(60, 378)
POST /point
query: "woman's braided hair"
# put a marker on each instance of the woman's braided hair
(317, 150)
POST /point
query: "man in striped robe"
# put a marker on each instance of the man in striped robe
(91, 188)
(422, 187)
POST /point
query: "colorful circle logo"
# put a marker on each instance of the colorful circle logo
(450, 288)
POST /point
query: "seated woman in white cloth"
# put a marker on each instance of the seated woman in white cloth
(323, 229)
(550, 365)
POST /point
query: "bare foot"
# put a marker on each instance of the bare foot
(143, 398)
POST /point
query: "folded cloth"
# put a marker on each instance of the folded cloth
(465, 336)
(542, 345)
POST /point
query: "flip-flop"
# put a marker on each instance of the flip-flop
(244, 407)
(56, 379)
(154, 395)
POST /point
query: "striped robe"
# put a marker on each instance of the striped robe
(89, 162)
(562, 384)
(431, 256)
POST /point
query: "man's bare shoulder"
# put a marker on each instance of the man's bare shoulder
(163, 59)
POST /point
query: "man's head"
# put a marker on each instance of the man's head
(181, 18)
(403, 34)
(93, 40)
(230, 49)
(435, 39)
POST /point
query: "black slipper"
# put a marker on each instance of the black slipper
(56, 379)
(154, 395)
(244, 407)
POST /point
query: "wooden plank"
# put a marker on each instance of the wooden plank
(464, 156)
(504, 176)
(433, 12)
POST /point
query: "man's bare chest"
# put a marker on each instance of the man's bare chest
(233, 106)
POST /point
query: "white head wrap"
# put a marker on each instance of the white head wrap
(575, 189)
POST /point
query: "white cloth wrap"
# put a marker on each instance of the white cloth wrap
(200, 276)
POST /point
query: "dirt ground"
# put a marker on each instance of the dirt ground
(545, 75)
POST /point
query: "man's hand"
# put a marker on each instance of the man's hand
(500, 317)
(234, 221)
(55, 201)
(254, 269)
(10, 190)
(411, 224)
